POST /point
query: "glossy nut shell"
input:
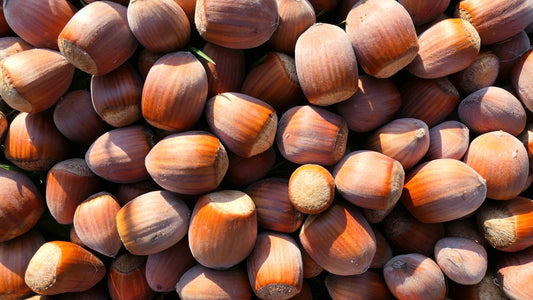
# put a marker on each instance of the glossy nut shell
(90, 38)
(152, 222)
(325, 79)
(199, 168)
(340, 239)
(33, 80)
(22, 204)
(369, 179)
(160, 26)
(382, 35)
(447, 47)
(118, 155)
(38, 22)
(95, 223)
(443, 190)
(245, 125)
(240, 24)
(68, 183)
(498, 20)
(174, 92)
(231, 217)
(502, 160)
(309, 134)
(59, 267)
(33, 143)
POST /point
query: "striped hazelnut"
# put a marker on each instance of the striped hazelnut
(422, 11)
(240, 24)
(405, 140)
(383, 250)
(326, 79)
(382, 35)
(95, 223)
(513, 273)
(10, 45)
(68, 183)
(462, 260)
(414, 276)
(423, 27)
(74, 238)
(200, 282)
(188, 7)
(449, 139)
(406, 234)
(275, 268)
(245, 125)
(442, 190)
(492, 108)
(448, 46)
(92, 36)
(126, 278)
(164, 269)
(126, 192)
(174, 92)
(522, 79)
(243, 171)
(116, 96)
(231, 217)
(118, 155)
(145, 60)
(152, 222)
(38, 22)
(310, 267)
(199, 168)
(33, 80)
(502, 160)
(509, 51)
(340, 239)
(160, 26)
(310, 134)
(369, 285)
(61, 267)
(33, 143)
(369, 179)
(22, 204)
(497, 20)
